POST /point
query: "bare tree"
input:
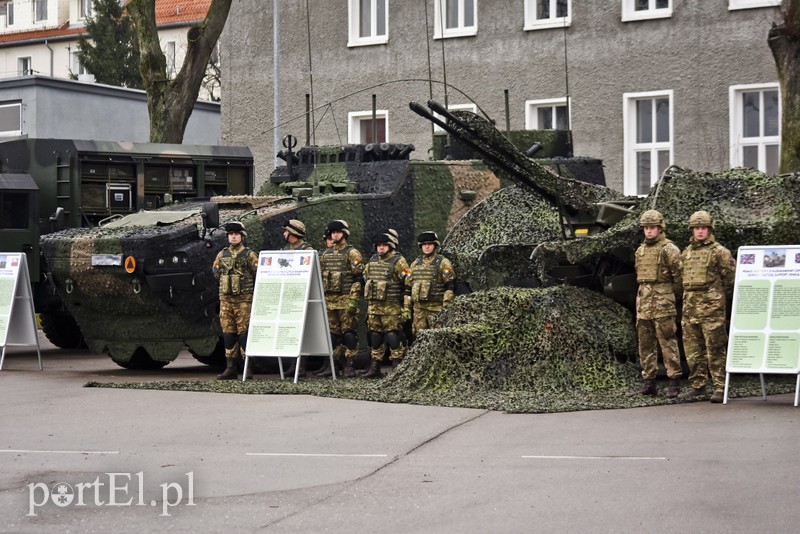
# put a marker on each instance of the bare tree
(170, 101)
(784, 41)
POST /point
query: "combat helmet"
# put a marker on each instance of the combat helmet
(235, 227)
(701, 218)
(652, 218)
(428, 237)
(385, 238)
(392, 233)
(339, 225)
(296, 228)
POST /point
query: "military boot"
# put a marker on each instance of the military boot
(674, 389)
(301, 363)
(230, 370)
(349, 370)
(692, 393)
(374, 370)
(648, 388)
(718, 396)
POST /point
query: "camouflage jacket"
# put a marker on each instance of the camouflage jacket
(658, 271)
(384, 283)
(339, 273)
(709, 271)
(235, 268)
(299, 245)
(430, 282)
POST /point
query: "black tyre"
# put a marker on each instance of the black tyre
(215, 359)
(62, 330)
(141, 361)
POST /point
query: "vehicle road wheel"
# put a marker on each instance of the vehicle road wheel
(141, 360)
(62, 330)
(215, 359)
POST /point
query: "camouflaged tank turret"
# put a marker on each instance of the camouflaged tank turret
(140, 286)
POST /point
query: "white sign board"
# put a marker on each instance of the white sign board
(17, 316)
(765, 319)
(288, 317)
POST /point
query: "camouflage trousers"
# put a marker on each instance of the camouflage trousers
(384, 324)
(422, 319)
(706, 345)
(651, 334)
(234, 316)
(339, 321)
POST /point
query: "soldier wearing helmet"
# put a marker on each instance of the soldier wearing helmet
(235, 267)
(342, 270)
(429, 285)
(708, 276)
(384, 285)
(658, 272)
(294, 232)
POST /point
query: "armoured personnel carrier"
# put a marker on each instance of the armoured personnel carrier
(47, 185)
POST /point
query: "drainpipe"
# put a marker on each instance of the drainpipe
(51, 57)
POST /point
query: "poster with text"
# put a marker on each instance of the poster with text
(9, 272)
(765, 319)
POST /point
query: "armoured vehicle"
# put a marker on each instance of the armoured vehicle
(47, 185)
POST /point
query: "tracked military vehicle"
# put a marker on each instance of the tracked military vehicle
(47, 185)
(140, 286)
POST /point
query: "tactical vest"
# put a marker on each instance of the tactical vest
(380, 281)
(301, 245)
(426, 284)
(235, 277)
(336, 275)
(696, 274)
(648, 261)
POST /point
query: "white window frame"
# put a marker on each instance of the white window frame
(9, 9)
(170, 50)
(736, 125)
(453, 107)
(85, 9)
(11, 133)
(440, 32)
(354, 119)
(354, 16)
(630, 14)
(22, 71)
(532, 23)
(631, 148)
(532, 106)
(35, 15)
(750, 4)
(76, 65)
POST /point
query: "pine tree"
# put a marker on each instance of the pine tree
(109, 48)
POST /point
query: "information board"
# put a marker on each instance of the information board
(17, 316)
(288, 317)
(765, 319)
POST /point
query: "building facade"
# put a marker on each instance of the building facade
(643, 84)
(39, 37)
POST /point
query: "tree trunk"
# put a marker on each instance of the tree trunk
(170, 102)
(784, 41)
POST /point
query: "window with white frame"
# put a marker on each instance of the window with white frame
(8, 9)
(755, 124)
(454, 107)
(646, 9)
(169, 54)
(368, 22)
(547, 114)
(647, 121)
(362, 130)
(86, 9)
(39, 10)
(77, 67)
(748, 4)
(455, 18)
(11, 119)
(24, 66)
(543, 14)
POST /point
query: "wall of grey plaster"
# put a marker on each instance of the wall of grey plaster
(65, 109)
(698, 53)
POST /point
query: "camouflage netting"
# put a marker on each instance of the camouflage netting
(748, 208)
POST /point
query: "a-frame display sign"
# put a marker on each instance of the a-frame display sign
(17, 316)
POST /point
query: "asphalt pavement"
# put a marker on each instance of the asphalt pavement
(79, 459)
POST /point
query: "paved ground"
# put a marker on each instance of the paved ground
(192, 462)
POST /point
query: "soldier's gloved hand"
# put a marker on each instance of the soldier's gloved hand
(352, 307)
(406, 315)
(448, 297)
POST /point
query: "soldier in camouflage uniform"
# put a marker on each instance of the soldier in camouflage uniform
(708, 276)
(384, 280)
(294, 232)
(658, 271)
(429, 285)
(342, 270)
(235, 267)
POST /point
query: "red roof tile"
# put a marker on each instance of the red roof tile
(167, 12)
